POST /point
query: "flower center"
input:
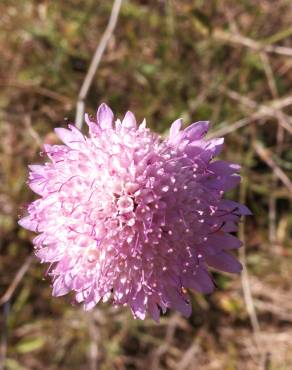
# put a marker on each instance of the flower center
(125, 204)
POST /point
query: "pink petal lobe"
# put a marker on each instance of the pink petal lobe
(175, 129)
(104, 116)
(70, 138)
(129, 120)
(28, 224)
(59, 287)
(196, 130)
(225, 262)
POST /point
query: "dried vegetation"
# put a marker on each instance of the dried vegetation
(227, 61)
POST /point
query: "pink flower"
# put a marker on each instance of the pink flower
(126, 216)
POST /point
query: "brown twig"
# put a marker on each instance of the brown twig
(4, 335)
(94, 341)
(30, 129)
(245, 280)
(163, 348)
(17, 279)
(188, 356)
(270, 109)
(95, 62)
(233, 38)
(228, 129)
(265, 155)
(33, 88)
(280, 138)
(281, 102)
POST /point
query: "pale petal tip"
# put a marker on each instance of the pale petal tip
(129, 120)
(175, 128)
(104, 116)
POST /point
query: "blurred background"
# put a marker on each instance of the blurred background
(225, 61)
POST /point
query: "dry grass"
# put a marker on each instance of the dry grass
(227, 61)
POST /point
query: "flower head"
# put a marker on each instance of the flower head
(127, 216)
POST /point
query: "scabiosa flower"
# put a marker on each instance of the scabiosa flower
(127, 216)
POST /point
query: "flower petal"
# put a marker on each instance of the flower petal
(196, 130)
(129, 120)
(104, 116)
(175, 129)
(224, 261)
(28, 224)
